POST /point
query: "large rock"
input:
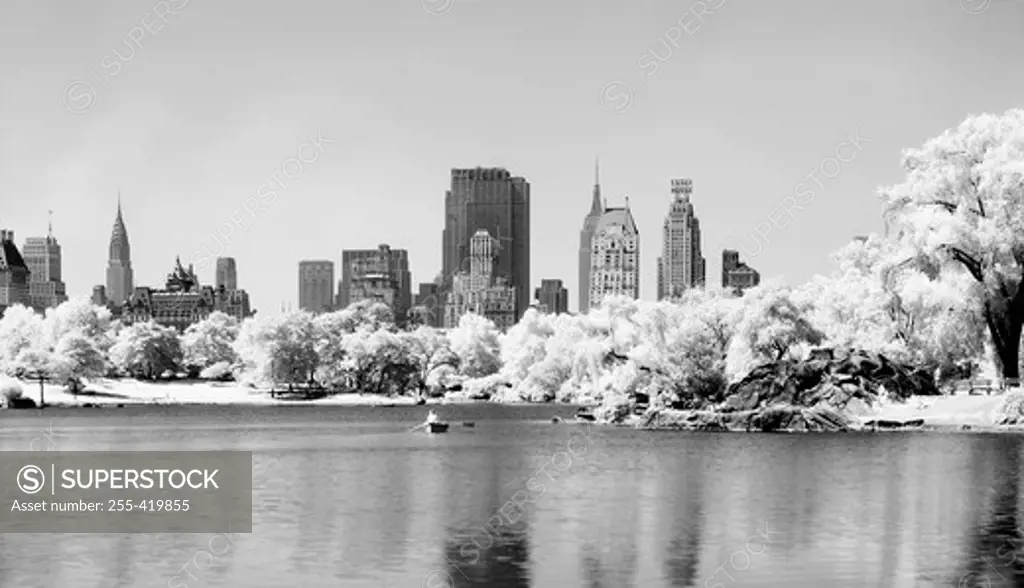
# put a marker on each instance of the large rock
(834, 379)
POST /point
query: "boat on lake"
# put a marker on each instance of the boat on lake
(437, 427)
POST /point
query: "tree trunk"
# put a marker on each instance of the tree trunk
(1005, 328)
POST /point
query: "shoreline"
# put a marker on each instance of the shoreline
(969, 414)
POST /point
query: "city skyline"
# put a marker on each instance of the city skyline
(189, 147)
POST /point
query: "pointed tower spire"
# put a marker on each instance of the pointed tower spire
(596, 207)
(118, 202)
(49, 224)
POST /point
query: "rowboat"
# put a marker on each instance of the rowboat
(437, 427)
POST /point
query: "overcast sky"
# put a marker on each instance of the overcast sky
(189, 106)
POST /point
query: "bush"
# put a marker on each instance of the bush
(10, 390)
(220, 372)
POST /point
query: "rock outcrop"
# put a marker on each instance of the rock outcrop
(841, 380)
(825, 392)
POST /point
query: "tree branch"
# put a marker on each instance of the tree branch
(973, 265)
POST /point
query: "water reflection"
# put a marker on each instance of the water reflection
(363, 503)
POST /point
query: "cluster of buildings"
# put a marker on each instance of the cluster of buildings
(32, 277)
(485, 249)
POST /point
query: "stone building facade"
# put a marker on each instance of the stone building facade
(183, 301)
(14, 273)
(479, 291)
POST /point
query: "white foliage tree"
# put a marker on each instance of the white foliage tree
(22, 344)
(278, 349)
(961, 208)
(773, 325)
(475, 342)
(146, 350)
(430, 350)
(209, 344)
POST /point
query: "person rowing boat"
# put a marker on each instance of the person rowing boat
(432, 419)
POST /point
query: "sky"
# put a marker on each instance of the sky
(198, 112)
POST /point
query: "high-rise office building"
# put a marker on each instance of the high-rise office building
(99, 295)
(14, 273)
(681, 265)
(227, 273)
(614, 256)
(499, 203)
(316, 285)
(120, 279)
(737, 275)
(380, 274)
(586, 242)
(552, 297)
(43, 257)
(479, 290)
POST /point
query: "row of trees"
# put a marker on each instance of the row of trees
(942, 291)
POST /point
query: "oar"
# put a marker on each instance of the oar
(417, 427)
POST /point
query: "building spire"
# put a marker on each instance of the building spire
(596, 207)
(49, 224)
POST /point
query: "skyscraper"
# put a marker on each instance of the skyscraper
(120, 279)
(227, 273)
(615, 256)
(378, 269)
(681, 265)
(552, 297)
(316, 285)
(586, 238)
(14, 274)
(479, 290)
(43, 258)
(493, 200)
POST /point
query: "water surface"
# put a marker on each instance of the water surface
(350, 497)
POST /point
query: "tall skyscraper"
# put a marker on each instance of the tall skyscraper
(615, 256)
(586, 241)
(736, 274)
(552, 297)
(120, 279)
(479, 290)
(227, 273)
(316, 285)
(681, 265)
(43, 258)
(368, 273)
(493, 200)
(14, 274)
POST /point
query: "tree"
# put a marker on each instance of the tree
(961, 206)
(475, 342)
(773, 324)
(82, 316)
(429, 349)
(146, 350)
(210, 342)
(77, 356)
(21, 332)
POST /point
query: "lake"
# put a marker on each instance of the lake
(349, 497)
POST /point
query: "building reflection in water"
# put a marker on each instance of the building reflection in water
(486, 541)
(995, 554)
